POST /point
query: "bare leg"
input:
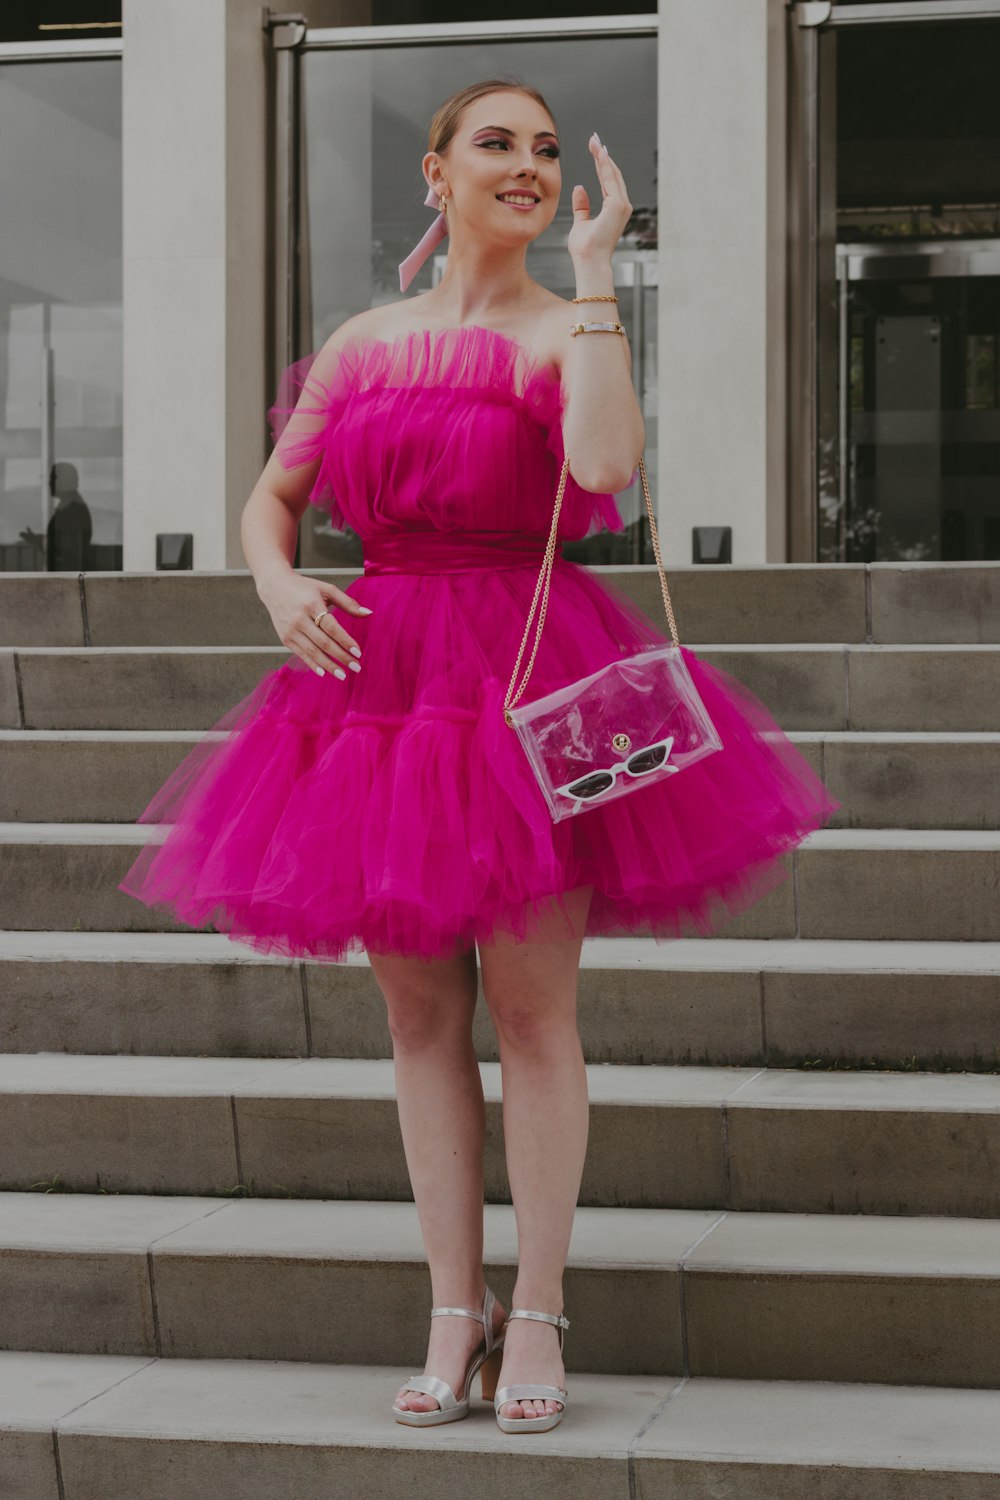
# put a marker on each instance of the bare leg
(531, 990)
(443, 1124)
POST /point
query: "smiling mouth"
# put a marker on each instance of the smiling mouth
(534, 200)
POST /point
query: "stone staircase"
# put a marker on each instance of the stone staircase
(784, 1279)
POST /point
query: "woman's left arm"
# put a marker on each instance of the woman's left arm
(603, 430)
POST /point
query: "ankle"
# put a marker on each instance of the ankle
(541, 1299)
(471, 1299)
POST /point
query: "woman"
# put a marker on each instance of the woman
(389, 806)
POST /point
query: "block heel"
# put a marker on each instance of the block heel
(489, 1372)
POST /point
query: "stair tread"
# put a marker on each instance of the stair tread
(860, 737)
(66, 1073)
(821, 840)
(377, 1230)
(720, 954)
(621, 1418)
(270, 647)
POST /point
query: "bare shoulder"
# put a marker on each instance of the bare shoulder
(554, 324)
(366, 324)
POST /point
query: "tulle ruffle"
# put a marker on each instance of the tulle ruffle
(371, 417)
(396, 811)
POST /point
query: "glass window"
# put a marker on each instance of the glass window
(364, 132)
(61, 316)
(909, 304)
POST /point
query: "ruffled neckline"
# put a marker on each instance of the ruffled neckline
(533, 363)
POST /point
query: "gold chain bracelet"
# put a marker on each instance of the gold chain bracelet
(597, 297)
(596, 328)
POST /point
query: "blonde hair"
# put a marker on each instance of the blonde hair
(445, 120)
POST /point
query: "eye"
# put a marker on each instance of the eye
(498, 140)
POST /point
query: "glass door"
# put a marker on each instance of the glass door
(60, 314)
(893, 390)
(362, 98)
(920, 467)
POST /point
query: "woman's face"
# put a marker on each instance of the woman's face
(505, 143)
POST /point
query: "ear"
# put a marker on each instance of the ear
(431, 168)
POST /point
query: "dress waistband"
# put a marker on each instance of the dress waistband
(452, 551)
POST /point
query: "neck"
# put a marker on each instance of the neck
(481, 282)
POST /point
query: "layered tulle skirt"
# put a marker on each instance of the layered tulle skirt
(396, 812)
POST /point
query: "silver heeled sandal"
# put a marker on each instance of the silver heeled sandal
(532, 1392)
(486, 1358)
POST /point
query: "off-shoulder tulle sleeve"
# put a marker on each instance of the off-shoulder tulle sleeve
(312, 393)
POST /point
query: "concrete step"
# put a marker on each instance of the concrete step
(739, 1295)
(943, 688)
(918, 884)
(780, 602)
(768, 1140)
(716, 1001)
(89, 1427)
(885, 780)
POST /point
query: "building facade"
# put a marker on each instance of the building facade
(195, 195)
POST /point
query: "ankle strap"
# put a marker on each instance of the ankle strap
(483, 1317)
(558, 1319)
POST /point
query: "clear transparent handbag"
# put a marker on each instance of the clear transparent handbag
(632, 723)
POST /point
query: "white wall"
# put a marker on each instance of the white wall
(721, 313)
(194, 267)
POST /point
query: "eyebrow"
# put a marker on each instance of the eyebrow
(504, 131)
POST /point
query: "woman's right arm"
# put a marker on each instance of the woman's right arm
(268, 531)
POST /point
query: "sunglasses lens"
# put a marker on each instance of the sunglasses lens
(647, 760)
(591, 786)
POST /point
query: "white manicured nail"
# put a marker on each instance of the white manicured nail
(338, 673)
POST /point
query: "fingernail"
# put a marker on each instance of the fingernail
(319, 671)
(363, 610)
(355, 650)
(338, 673)
(354, 666)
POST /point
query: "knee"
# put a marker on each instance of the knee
(533, 1026)
(418, 1021)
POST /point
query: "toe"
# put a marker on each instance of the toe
(412, 1400)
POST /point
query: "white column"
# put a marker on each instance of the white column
(721, 192)
(194, 275)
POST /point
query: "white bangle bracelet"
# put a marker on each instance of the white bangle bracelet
(596, 328)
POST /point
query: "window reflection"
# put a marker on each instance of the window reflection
(365, 115)
(909, 417)
(61, 316)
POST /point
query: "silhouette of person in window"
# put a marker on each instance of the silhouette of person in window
(67, 545)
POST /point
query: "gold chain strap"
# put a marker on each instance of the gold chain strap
(545, 576)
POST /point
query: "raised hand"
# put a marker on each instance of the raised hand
(595, 239)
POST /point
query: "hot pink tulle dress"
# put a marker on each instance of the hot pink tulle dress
(395, 811)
